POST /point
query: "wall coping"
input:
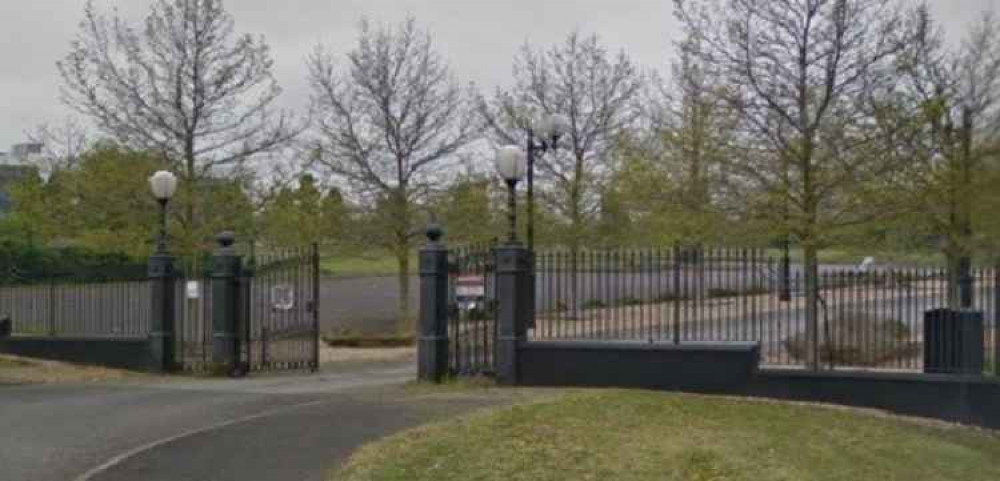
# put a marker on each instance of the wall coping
(859, 375)
(741, 347)
(18, 338)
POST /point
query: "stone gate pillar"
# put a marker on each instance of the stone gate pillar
(227, 267)
(163, 278)
(513, 282)
(432, 344)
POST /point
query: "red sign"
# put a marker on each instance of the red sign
(470, 286)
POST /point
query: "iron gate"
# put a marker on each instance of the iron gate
(193, 324)
(278, 318)
(472, 307)
(281, 311)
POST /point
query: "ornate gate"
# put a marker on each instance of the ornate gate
(472, 327)
(281, 311)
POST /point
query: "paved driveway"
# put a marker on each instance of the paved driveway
(286, 428)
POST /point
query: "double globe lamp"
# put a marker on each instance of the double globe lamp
(513, 164)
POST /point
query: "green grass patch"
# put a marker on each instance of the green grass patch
(855, 256)
(6, 362)
(452, 385)
(637, 435)
(363, 264)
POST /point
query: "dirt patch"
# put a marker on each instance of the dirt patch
(858, 337)
(21, 370)
(369, 341)
(331, 355)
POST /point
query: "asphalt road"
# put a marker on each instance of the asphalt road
(293, 427)
(363, 305)
(370, 305)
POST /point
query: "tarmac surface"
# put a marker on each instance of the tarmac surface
(276, 427)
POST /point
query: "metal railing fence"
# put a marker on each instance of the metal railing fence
(870, 319)
(64, 308)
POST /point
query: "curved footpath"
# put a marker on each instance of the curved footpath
(281, 427)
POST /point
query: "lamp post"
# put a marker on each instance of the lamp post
(163, 184)
(511, 164)
(512, 274)
(550, 128)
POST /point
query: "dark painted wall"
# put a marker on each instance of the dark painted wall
(634, 364)
(732, 369)
(971, 400)
(118, 353)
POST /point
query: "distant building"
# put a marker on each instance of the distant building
(21, 154)
(16, 166)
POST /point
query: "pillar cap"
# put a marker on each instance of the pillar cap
(434, 232)
(226, 239)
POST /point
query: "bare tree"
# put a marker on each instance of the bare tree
(690, 123)
(62, 144)
(388, 125)
(183, 84)
(596, 91)
(806, 77)
(955, 96)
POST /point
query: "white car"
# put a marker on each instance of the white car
(867, 264)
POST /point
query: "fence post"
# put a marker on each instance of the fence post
(996, 319)
(52, 307)
(675, 289)
(314, 265)
(162, 276)
(432, 344)
(245, 321)
(513, 276)
(226, 271)
(966, 283)
(530, 287)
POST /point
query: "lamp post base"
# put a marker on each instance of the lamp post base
(162, 277)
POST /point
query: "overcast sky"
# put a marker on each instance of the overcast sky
(479, 37)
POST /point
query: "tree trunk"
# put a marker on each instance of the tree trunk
(575, 240)
(403, 260)
(402, 249)
(963, 265)
(574, 275)
(952, 257)
(959, 265)
(811, 274)
(189, 188)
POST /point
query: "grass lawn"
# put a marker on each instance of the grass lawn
(377, 263)
(8, 363)
(381, 263)
(636, 435)
(19, 370)
(855, 256)
(354, 265)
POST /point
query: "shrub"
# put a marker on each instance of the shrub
(857, 338)
(24, 263)
(722, 292)
(630, 301)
